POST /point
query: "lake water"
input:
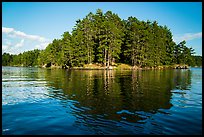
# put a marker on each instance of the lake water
(45, 102)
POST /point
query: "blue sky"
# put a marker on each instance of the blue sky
(30, 25)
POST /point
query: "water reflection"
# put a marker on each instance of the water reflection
(101, 102)
(182, 79)
(116, 96)
(20, 85)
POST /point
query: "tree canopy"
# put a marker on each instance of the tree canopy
(107, 39)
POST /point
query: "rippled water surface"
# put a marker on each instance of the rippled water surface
(43, 101)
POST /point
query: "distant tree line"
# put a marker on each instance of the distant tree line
(106, 39)
(28, 58)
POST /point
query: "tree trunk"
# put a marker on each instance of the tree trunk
(90, 57)
(108, 59)
(88, 53)
(105, 57)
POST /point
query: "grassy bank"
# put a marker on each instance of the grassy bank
(121, 66)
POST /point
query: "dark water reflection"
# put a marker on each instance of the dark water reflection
(108, 92)
(119, 102)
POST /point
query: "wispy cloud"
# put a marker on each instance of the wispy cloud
(15, 41)
(7, 30)
(4, 47)
(20, 44)
(8, 42)
(187, 37)
(14, 33)
(42, 45)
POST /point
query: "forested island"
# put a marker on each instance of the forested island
(105, 41)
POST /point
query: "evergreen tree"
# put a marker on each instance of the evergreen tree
(106, 39)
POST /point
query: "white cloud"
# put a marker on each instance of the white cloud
(7, 30)
(42, 45)
(20, 44)
(38, 47)
(187, 37)
(14, 33)
(4, 47)
(8, 42)
(15, 42)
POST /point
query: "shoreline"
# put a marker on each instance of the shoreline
(129, 67)
(119, 67)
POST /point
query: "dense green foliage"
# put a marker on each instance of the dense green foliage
(197, 61)
(28, 58)
(106, 39)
